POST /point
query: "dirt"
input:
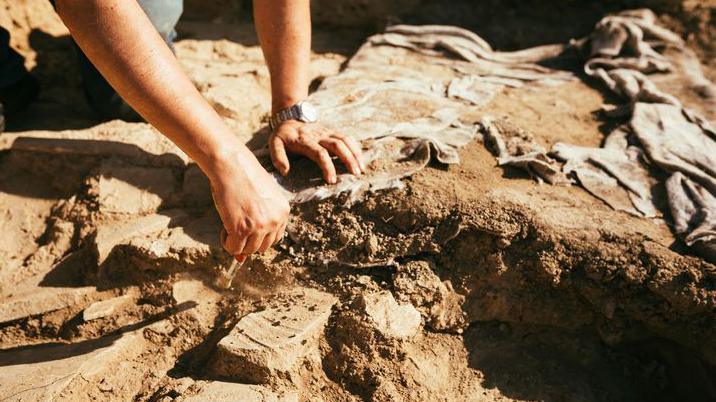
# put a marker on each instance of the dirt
(470, 283)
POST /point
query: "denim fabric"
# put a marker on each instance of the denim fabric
(164, 14)
(12, 67)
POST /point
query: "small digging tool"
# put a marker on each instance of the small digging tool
(226, 276)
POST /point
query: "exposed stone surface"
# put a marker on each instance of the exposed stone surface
(229, 391)
(44, 373)
(105, 308)
(195, 244)
(186, 290)
(110, 235)
(36, 301)
(274, 340)
(390, 319)
(137, 143)
(134, 190)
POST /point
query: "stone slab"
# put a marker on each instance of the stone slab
(110, 235)
(392, 320)
(274, 340)
(134, 189)
(192, 245)
(40, 300)
(44, 373)
(138, 143)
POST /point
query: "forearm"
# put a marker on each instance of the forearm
(121, 42)
(284, 31)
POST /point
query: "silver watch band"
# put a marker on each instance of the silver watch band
(290, 113)
(302, 111)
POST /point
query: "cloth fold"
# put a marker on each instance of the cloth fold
(515, 148)
(406, 116)
(661, 135)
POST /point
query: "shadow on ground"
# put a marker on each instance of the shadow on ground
(61, 104)
(551, 364)
(57, 350)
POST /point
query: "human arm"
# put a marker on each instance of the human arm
(121, 42)
(284, 31)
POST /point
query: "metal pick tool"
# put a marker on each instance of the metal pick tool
(226, 276)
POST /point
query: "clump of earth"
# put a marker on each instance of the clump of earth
(468, 283)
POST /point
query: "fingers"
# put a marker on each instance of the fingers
(279, 158)
(355, 148)
(253, 243)
(340, 149)
(269, 240)
(320, 155)
(233, 243)
(317, 143)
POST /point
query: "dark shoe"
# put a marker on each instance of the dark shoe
(15, 97)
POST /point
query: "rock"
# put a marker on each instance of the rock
(219, 391)
(138, 143)
(274, 340)
(428, 368)
(46, 373)
(371, 245)
(134, 189)
(438, 303)
(40, 300)
(110, 235)
(188, 246)
(390, 319)
(105, 308)
(193, 245)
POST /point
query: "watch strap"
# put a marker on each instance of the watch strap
(289, 113)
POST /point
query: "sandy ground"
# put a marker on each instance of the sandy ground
(471, 283)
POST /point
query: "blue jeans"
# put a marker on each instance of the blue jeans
(164, 14)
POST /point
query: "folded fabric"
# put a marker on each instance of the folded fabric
(661, 135)
(518, 149)
(406, 115)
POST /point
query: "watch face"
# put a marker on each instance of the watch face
(309, 114)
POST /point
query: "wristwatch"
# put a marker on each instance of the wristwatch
(302, 111)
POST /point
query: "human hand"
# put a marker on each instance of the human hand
(316, 142)
(251, 205)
